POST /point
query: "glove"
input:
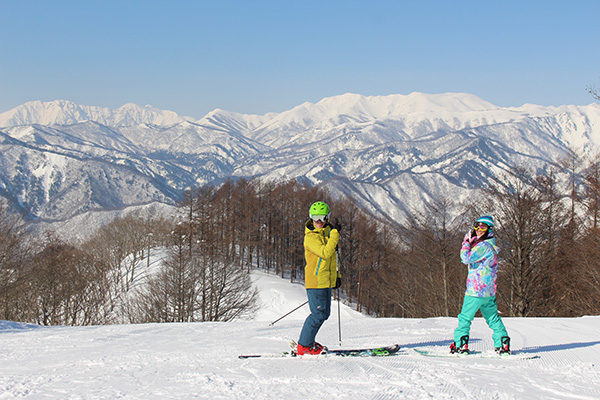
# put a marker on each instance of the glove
(336, 225)
(469, 237)
(338, 283)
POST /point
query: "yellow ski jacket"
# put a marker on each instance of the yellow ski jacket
(321, 261)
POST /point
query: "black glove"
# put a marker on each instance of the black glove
(336, 225)
(338, 283)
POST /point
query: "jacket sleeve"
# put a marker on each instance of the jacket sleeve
(476, 254)
(316, 246)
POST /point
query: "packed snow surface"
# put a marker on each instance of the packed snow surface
(200, 360)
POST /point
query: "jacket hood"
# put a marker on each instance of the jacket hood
(492, 241)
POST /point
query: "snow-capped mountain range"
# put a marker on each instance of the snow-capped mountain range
(60, 160)
(62, 112)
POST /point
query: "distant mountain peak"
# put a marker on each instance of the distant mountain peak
(64, 112)
(416, 102)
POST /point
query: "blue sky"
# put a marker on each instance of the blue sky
(259, 56)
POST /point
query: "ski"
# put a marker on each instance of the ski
(443, 353)
(267, 355)
(359, 352)
(366, 352)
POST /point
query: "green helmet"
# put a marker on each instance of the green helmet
(319, 209)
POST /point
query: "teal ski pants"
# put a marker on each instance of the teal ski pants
(489, 310)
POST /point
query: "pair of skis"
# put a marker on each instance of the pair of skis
(393, 350)
(473, 354)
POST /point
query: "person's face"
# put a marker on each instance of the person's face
(319, 222)
(481, 229)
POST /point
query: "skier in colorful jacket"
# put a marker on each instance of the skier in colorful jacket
(480, 252)
(320, 274)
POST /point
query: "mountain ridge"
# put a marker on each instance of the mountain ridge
(392, 153)
(64, 112)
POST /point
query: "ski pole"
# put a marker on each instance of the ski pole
(337, 261)
(339, 318)
(282, 317)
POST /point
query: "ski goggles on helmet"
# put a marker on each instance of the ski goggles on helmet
(319, 217)
(481, 226)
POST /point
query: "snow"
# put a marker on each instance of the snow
(199, 360)
(65, 112)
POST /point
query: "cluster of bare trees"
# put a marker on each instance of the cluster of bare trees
(49, 282)
(548, 232)
(109, 278)
(201, 279)
(14, 256)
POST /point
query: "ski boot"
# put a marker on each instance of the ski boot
(463, 348)
(316, 348)
(504, 347)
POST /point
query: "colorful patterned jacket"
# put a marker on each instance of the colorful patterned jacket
(321, 261)
(482, 259)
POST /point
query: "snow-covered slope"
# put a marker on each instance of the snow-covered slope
(199, 360)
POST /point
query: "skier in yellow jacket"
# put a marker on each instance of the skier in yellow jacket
(320, 274)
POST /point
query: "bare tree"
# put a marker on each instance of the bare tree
(594, 91)
(592, 191)
(572, 163)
